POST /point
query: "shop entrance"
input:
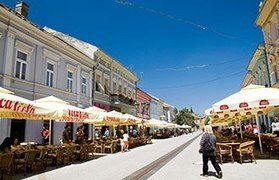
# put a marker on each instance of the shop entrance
(18, 129)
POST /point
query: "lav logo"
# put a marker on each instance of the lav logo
(224, 107)
(264, 102)
(243, 105)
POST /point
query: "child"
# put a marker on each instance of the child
(122, 143)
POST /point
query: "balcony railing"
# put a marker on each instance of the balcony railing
(119, 98)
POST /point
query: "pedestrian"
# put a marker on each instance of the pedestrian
(126, 141)
(106, 133)
(45, 135)
(208, 150)
(79, 135)
(66, 138)
(5, 147)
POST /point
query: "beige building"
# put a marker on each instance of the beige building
(268, 19)
(120, 85)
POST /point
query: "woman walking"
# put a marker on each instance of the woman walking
(208, 150)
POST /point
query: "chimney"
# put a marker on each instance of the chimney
(22, 8)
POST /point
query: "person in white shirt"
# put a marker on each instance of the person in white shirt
(106, 134)
(126, 141)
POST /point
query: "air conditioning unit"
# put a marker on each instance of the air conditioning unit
(273, 76)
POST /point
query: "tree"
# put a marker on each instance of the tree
(185, 116)
(207, 120)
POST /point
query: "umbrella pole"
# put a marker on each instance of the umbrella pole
(259, 134)
(50, 132)
(240, 129)
(93, 133)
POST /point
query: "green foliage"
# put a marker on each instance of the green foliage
(207, 120)
(185, 116)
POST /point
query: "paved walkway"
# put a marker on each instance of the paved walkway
(183, 162)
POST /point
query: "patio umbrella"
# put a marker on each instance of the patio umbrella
(5, 91)
(12, 106)
(250, 101)
(155, 123)
(63, 110)
(130, 119)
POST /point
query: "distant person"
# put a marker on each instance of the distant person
(208, 150)
(263, 128)
(5, 147)
(126, 141)
(45, 135)
(66, 135)
(15, 145)
(79, 135)
(106, 134)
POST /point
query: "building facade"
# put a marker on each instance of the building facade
(257, 69)
(268, 20)
(143, 104)
(169, 112)
(35, 64)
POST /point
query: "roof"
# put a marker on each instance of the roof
(84, 47)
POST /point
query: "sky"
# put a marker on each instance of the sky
(189, 53)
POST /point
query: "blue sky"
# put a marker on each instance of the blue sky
(189, 53)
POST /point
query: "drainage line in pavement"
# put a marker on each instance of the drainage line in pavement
(148, 170)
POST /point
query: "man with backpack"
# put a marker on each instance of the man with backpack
(208, 150)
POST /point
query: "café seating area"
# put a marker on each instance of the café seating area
(36, 158)
(230, 148)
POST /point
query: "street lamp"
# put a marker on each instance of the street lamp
(94, 68)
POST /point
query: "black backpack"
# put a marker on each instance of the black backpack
(208, 147)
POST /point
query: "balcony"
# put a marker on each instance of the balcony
(119, 98)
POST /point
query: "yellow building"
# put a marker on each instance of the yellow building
(268, 19)
(120, 85)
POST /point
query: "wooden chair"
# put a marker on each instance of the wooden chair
(6, 161)
(149, 140)
(27, 161)
(69, 155)
(40, 162)
(58, 156)
(246, 148)
(224, 150)
(99, 146)
(90, 150)
(82, 152)
(110, 146)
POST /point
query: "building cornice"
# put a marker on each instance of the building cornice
(265, 11)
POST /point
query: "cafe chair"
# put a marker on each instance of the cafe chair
(6, 161)
(246, 149)
(27, 162)
(224, 150)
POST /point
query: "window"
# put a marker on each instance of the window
(106, 86)
(114, 87)
(21, 64)
(98, 80)
(50, 75)
(70, 82)
(119, 89)
(83, 86)
(125, 91)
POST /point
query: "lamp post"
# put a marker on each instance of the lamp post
(267, 66)
(94, 68)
